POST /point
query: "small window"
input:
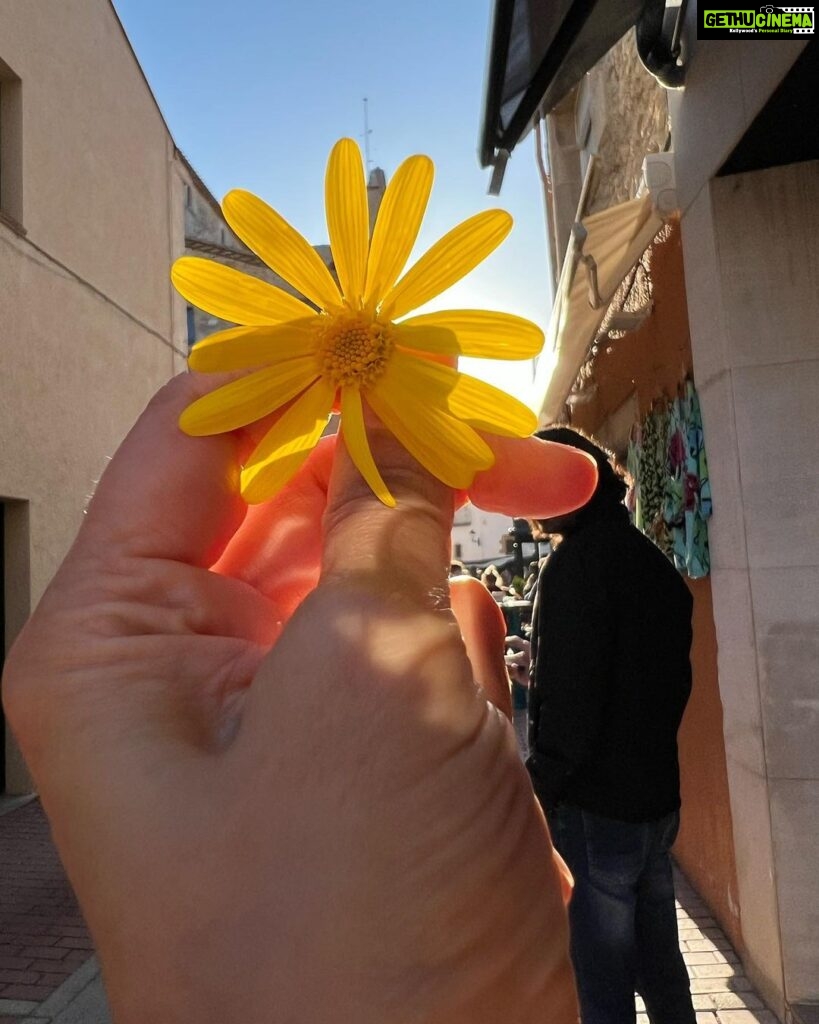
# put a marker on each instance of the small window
(11, 144)
(188, 197)
(191, 325)
(458, 550)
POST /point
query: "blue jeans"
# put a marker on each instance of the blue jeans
(622, 917)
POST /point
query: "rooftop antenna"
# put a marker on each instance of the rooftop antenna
(367, 133)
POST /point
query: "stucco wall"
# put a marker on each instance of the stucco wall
(87, 326)
(751, 261)
(480, 534)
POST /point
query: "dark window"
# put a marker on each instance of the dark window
(191, 325)
(11, 144)
(2, 640)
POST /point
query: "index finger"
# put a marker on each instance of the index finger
(165, 494)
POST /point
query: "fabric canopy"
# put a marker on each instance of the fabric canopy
(615, 240)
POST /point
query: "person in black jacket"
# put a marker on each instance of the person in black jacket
(610, 680)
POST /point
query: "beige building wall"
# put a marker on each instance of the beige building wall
(89, 327)
(479, 535)
(751, 255)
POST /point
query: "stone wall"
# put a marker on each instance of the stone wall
(629, 118)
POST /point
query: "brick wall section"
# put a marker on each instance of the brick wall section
(43, 938)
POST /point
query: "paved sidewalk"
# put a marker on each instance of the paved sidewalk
(43, 938)
(48, 973)
(721, 992)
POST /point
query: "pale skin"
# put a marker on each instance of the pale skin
(325, 822)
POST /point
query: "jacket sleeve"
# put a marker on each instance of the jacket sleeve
(575, 654)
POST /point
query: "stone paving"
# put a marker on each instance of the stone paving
(48, 973)
(721, 992)
(43, 938)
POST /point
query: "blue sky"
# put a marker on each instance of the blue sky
(256, 92)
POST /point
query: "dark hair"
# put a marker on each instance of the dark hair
(611, 487)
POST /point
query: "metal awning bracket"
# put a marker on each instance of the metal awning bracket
(580, 234)
(498, 171)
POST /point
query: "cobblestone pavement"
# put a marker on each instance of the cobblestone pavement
(43, 939)
(47, 973)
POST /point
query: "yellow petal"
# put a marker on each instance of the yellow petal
(449, 449)
(282, 248)
(345, 199)
(242, 348)
(396, 228)
(450, 259)
(355, 438)
(479, 404)
(248, 399)
(472, 332)
(232, 295)
(287, 444)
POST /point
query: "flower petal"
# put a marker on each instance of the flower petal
(472, 332)
(232, 295)
(248, 399)
(288, 443)
(449, 449)
(479, 404)
(241, 348)
(283, 249)
(355, 437)
(396, 228)
(345, 199)
(450, 259)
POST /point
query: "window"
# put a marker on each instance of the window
(191, 325)
(188, 197)
(11, 145)
(458, 551)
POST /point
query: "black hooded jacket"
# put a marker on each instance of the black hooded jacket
(611, 672)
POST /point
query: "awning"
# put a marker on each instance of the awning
(596, 264)
(540, 49)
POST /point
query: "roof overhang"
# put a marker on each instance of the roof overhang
(603, 249)
(540, 50)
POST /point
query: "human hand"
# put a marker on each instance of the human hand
(319, 821)
(518, 659)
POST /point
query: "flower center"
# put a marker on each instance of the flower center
(353, 350)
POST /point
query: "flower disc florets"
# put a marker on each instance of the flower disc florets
(353, 349)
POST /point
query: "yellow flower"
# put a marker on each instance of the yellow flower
(352, 347)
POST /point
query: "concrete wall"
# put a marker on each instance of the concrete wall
(87, 320)
(728, 81)
(752, 271)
